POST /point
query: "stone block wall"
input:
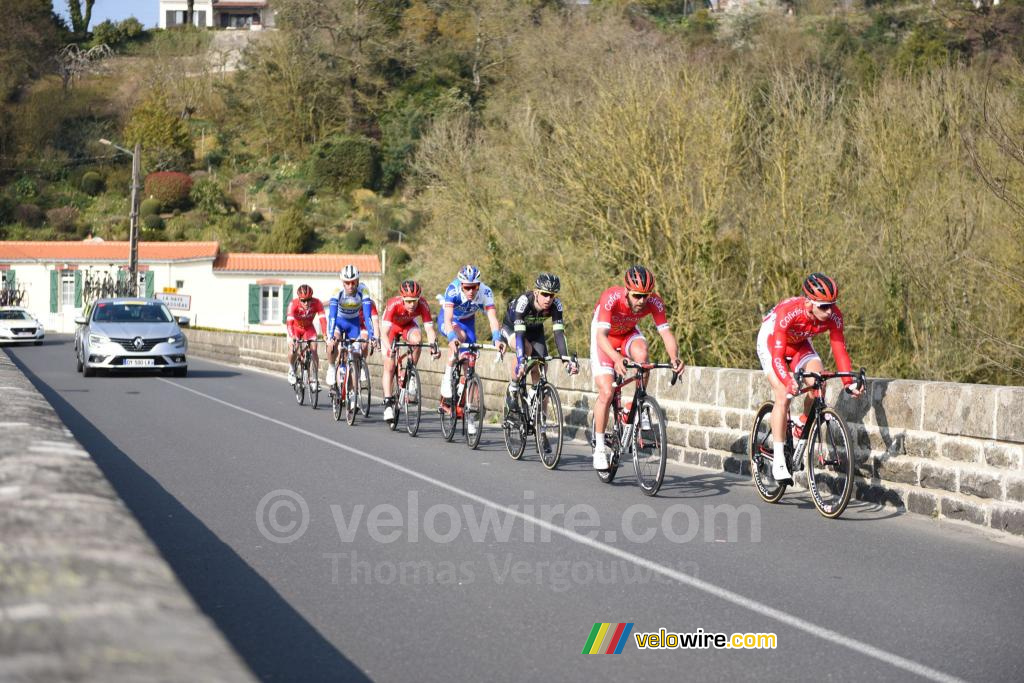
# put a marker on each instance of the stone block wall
(945, 450)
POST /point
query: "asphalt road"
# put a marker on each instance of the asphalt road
(329, 552)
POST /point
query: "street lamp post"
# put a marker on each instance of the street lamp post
(133, 215)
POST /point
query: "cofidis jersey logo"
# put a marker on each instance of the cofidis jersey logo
(607, 639)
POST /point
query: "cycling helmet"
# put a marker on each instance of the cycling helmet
(548, 282)
(820, 288)
(305, 292)
(411, 289)
(469, 275)
(639, 279)
(349, 273)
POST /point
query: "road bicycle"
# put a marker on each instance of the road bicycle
(406, 378)
(350, 392)
(823, 448)
(636, 430)
(534, 410)
(306, 374)
(467, 400)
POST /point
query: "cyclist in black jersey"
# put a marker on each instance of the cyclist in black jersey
(523, 326)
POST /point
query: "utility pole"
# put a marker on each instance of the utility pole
(133, 222)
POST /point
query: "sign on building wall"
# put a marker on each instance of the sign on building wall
(178, 302)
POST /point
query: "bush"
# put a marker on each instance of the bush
(290, 234)
(25, 188)
(149, 207)
(63, 219)
(153, 222)
(206, 195)
(92, 183)
(353, 240)
(397, 257)
(256, 217)
(28, 214)
(345, 163)
(170, 188)
(112, 35)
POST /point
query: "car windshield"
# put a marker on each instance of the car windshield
(132, 312)
(14, 315)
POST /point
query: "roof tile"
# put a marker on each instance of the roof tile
(111, 252)
(296, 263)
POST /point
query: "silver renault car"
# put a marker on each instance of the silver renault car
(130, 334)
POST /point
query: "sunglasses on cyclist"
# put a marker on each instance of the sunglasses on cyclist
(410, 301)
(638, 296)
(541, 292)
(306, 300)
(824, 307)
(470, 288)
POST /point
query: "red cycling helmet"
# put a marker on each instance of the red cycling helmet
(639, 279)
(820, 288)
(305, 292)
(411, 290)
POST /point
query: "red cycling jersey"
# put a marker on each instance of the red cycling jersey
(613, 312)
(300, 319)
(792, 328)
(395, 313)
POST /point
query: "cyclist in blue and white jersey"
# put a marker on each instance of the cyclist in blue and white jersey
(464, 297)
(351, 315)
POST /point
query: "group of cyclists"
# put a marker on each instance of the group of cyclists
(783, 344)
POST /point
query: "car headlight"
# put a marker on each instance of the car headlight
(98, 339)
(176, 339)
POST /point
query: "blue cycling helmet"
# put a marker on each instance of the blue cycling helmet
(469, 275)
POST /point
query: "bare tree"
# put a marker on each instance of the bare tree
(72, 61)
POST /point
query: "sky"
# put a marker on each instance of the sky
(144, 10)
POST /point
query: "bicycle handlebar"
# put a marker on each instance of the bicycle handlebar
(652, 366)
(819, 379)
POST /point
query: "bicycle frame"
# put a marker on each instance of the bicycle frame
(794, 452)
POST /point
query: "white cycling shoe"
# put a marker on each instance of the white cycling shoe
(780, 473)
(600, 459)
(389, 414)
(291, 376)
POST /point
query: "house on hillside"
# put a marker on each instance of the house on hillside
(230, 291)
(251, 15)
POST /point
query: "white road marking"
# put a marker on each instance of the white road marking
(760, 608)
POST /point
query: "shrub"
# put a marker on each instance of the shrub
(112, 35)
(290, 234)
(345, 163)
(353, 240)
(92, 183)
(206, 195)
(28, 214)
(25, 188)
(170, 188)
(153, 222)
(256, 217)
(149, 207)
(397, 257)
(63, 219)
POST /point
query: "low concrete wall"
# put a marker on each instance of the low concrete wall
(953, 451)
(84, 594)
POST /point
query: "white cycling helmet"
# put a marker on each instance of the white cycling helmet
(349, 273)
(469, 275)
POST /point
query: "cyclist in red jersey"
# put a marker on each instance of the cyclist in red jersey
(299, 322)
(614, 336)
(399, 320)
(784, 345)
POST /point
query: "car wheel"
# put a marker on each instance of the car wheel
(88, 371)
(78, 363)
(38, 343)
(181, 372)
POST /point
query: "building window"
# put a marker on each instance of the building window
(270, 304)
(179, 284)
(67, 288)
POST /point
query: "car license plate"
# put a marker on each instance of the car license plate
(138, 362)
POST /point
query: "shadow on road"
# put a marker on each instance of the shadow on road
(274, 640)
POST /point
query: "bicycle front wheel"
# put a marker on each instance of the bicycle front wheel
(351, 394)
(548, 426)
(829, 462)
(313, 377)
(364, 388)
(300, 387)
(449, 412)
(412, 406)
(650, 446)
(474, 410)
(513, 428)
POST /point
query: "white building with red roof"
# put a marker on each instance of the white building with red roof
(230, 291)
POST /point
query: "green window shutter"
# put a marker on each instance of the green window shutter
(10, 278)
(254, 304)
(54, 281)
(78, 289)
(149, 284)
(286, 300)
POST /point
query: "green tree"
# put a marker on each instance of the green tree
(166, 144)
(291, 234)
(79, 20)
(31, 34)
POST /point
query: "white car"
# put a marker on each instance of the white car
(129, 333)
(18, 326)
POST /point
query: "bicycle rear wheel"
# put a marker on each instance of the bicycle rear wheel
(313, 375)
(412, 406)
(300, 386)
(364, 387)
(351, 394)
(513, 427)
(448, 410)
(650, 446)
(760, 450)
(474, 411)
(547, 426)
(829, 462)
